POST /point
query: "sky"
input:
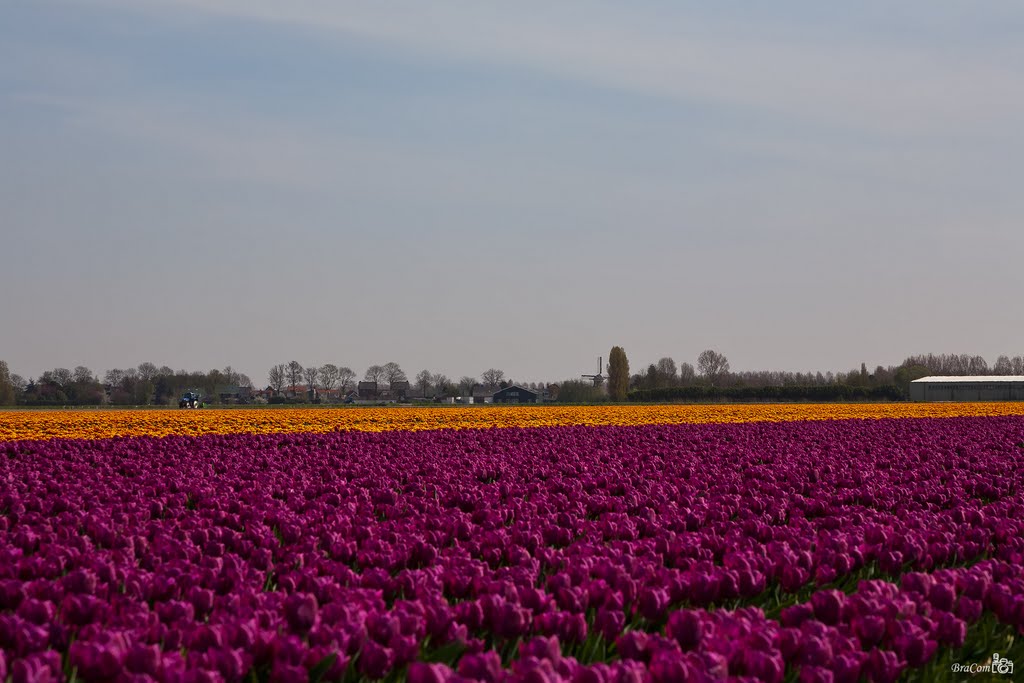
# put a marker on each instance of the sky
(458, 185)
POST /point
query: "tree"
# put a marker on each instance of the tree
(310, 374)
(293, 373)
(579, 391)
(114, 378)
(666, 371)
(466, 385)
(907, 374)
(423, 380)
(147, 371)
(142, 392)
(393, 373)
(441, 383)
(686, 374)
(1003, 366)
(346, 378)
(651, 380)
(492, 378)
(374, 373)
(214, 379)
(62, 377)
(19, 383)
(232, 377)
(618, 374)
(82, 375)
(712, 365)
(329, 375)
(6, 385)
(278, 377)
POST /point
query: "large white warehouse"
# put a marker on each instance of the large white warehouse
(980, 388)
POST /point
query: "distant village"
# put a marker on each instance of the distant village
(371, 393)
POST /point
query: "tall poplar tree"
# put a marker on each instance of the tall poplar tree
(6, 386)
(618, 374)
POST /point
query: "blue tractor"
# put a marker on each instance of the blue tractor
(190, 399)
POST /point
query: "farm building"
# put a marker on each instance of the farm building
(367, 390)
(399, 390)
(516, 394)
(980, 388)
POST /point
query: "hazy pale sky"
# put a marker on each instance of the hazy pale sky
(456, 185)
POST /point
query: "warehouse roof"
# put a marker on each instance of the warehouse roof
(974, 378)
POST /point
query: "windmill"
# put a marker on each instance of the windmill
(598, 379)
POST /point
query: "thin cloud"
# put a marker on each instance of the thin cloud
(818, 75)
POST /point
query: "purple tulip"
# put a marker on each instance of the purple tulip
(95, 661)
(542, 648)
(883, 666)
(653, 604)
(815, 651)
(870, 629)
(37, 611)
(80, 581)
(632, 645)
(815, 674)
(795, 615)
(951, 631)
(666, 668)
(12, 592)
(428, 673)
(828, 606)
(38, 668)
(609, 623)
(143, 659)
(847, 667)
(686, 628)
(969, 610)
(763, 666)
(482, 667)
(375, 660)
(942, 596)
(790, 643)
(300, 610)
(975, 585)
(592, 674)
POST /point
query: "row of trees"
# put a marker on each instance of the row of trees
(713, 370)
(964, 364)
(288, 378)
(149, 383)
(145, 384)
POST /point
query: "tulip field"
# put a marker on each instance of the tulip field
(584, 545)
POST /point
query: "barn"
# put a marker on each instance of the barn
(979, 388)
(516, 394)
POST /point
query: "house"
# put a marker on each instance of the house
(367, 390)
(516, 394)
(298, 392)
(331, 395)
(234, 394)
(399, 390)
(264, 394)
